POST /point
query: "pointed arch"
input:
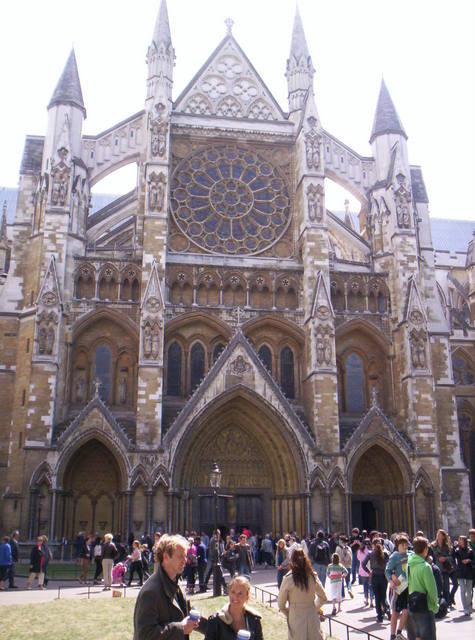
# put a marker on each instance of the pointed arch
(160, 477)
(336, 479)
(318, 479)
(43, 474)
(366, 327)
(139, 476)
(119, 318)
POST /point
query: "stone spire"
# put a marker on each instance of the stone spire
(68, 89)
(299, 72)
(161, 34)
(160, 61)
(386, 119)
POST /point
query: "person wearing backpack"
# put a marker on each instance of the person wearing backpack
(320, 556)
(422, 599)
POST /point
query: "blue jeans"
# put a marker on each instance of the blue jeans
(424, 625)
(367, 587)
(321, 571)
(355, 565)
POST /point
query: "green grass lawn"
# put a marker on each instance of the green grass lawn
(102, 620)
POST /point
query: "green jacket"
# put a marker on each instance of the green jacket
(422, 579)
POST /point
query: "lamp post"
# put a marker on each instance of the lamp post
(215, 482)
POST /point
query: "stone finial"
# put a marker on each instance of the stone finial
(97, 385)
(374, 397)
(229, 22)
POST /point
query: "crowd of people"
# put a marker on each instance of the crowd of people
(410, 581)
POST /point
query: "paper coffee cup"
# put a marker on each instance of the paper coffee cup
(243, 634)
(194, 614)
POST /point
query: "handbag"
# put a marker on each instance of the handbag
(417, 602)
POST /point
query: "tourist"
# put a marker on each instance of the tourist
(5, 561)
(266, 550)
(191, 565)
(443, 556)
(235, 615)
(375, 565)
(97, 553)
(336, 573)
(14, 547)
(463, 556)
(422, 595)
(85, 559)
(135, 563)
(281, 561)
(201, 555)
(300, 597)
(346, 559)
(230, 557)
(36, 564)
(156, 540)
(212, 557)
(47, 557)
(396, 574)
(355, 540)
(245, 563)
(320, 556)
(109, 554)
(363, 553)
(161, 610)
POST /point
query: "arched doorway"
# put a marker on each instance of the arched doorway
(262, 469)
(92, 492)
(379, 499)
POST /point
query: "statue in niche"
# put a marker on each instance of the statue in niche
(320, 350)
(159, 128)
(42, 340)
(156, 192)
(147, 342)
(59, 186)
(80, 389)
(123, 390)
(155, 343)
(312, 149)
(327, 350)
(314, 202)
(50, 341)
(418, 351)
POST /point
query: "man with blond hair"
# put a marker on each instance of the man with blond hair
(161, 610)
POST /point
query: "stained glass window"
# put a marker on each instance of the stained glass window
(355, 401)
(102, 371)
(463, 372)
(287, 372)
(266, 356)
(197, 365)
(174, 370)
(229, 200)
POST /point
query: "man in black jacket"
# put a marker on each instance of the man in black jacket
(14, 547)
(161, 610)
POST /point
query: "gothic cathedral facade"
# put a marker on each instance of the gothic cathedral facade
(219, 312)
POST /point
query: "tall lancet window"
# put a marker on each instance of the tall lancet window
(197, 365)
(355, 397)
(287, 381)
(174, 370)
(265, 356)
(102, 371)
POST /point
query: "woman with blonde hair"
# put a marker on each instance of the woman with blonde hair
(281, 561)
(109, 553)
(442, 553)
(236, 615)
(300, 596)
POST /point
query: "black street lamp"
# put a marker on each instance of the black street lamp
(215, 482)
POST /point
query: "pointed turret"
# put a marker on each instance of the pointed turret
(386, 119)
(160, 60)
(68, 89)
(161, 33)
(300, 70)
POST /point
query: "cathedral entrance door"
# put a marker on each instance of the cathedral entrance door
(92, 492)
(378, 498)
(249, 513)
(208, 515)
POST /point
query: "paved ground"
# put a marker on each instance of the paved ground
(454, 627)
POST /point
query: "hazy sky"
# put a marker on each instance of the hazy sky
(424, 48)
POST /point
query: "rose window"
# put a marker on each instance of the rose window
(230, 200)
